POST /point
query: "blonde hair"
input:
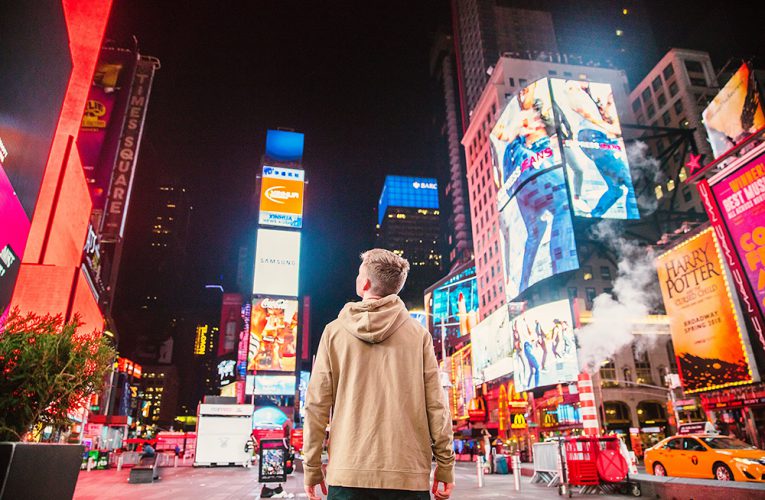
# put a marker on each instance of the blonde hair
(387, 271)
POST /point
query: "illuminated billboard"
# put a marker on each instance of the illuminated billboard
(277, 263)
(537, 233)
(13, 238)
(735, 112)
(273, 335)
(706, 332)
(273, 385)
(492, 347)
(524, 140)
(284, 145)
(230, 323)
(543, 346)
(740, 196)
(461, 376)
(451, 306)
(407, 192)
(593, 148)
(305, 377)
(281, 197)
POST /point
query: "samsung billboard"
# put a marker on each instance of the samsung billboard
(277, 263)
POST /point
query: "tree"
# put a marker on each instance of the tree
(47, 369)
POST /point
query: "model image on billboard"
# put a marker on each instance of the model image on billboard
(543, 346)
(492, 347)
(452, 307)
(535, 224)
(524, 139)
(536, 233)
(273, 335)
(595, 154)
(735, 112)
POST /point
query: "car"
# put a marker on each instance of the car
(712, 456)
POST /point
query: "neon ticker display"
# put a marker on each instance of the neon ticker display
(407, 192)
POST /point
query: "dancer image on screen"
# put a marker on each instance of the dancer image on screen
(528, 350)
(597, 134)
(518, 350)
(541, 342)
(556, 338)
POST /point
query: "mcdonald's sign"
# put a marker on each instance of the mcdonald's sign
(477, 410)
(519, 421)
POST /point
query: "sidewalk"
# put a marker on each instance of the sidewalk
(235, 482)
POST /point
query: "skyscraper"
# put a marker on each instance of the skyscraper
(483, 30)
(409, 225)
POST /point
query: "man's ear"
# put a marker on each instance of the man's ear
(367, 284)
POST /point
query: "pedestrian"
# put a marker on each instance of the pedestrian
(148, 451)
(471, 449)
(177, 451)
(376, 372)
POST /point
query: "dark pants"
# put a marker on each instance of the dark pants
(346, 493)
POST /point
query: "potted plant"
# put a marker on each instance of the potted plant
(48, 370)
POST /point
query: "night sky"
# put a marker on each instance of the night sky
(353, 76)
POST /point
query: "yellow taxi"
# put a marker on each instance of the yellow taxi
(709, 456)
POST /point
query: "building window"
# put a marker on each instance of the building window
(522, 82)
(608, 374)
(552, 72)
(590, 294)
(670, 185)
(627, 374)
(636, 105)
(698, 82)
(572, 292)
(662, 100)
(665, 118)
(646, 95)
(619, 33)
(650, 111)
(683, 174)
(605, 272)
(668, 71)
(642, 367)
(567, 74)
(673, 89)
(684, 123)
(692, 66)
(687, 194)
(656, 83)
(678, 106)
(511, 81)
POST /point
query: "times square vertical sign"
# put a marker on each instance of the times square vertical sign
(123, 173)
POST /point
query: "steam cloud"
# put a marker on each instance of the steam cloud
(635, 295)
(646, 173)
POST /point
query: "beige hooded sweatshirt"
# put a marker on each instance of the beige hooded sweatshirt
(376, 371)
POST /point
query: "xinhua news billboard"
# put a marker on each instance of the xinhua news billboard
(281, 197)
(277, 263)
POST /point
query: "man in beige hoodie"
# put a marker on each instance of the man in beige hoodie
(376, 372)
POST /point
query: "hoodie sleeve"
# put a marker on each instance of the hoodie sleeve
(318, 401)
(439, 419)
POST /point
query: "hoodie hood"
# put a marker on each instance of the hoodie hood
(373, 320)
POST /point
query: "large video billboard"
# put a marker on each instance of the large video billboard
(284, 146)
(741, 198)
(452, 306)
(524, 140)
(706, 331)
(594, 151)
(492, 347)
(735, 112)
(281, 197)
(543, 346)
(273, 335)
(13, 238)
(230, 323)
(277, 263)
(413, 192)
(536, 233)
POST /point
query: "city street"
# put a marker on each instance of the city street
(225, 483)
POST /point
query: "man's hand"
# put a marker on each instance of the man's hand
(311, 491)
(443, 494)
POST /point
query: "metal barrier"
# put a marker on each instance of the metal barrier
(546, 464)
